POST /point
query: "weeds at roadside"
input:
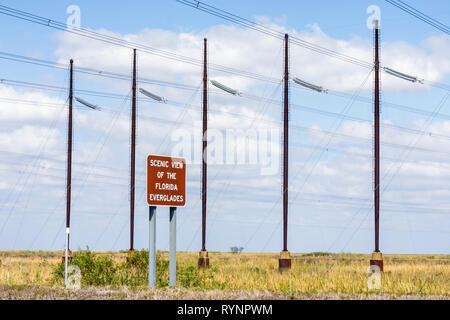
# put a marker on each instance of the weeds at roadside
(105, 271)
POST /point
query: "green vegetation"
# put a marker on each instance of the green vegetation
(311, 274)
(103, 270)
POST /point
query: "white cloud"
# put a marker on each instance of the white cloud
(47, 109)
(251, 51)
(31, 139)
(340, 174)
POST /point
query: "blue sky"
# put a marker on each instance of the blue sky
(339, 19)
(331, 178)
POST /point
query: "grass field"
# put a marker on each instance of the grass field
(37, 275)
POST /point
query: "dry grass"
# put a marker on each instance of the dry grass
(91, 293)
(248, 276)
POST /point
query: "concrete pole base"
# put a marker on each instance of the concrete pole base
(377, 260)
(130, 252)
(285, 261)
(69, 257)
(203, 260)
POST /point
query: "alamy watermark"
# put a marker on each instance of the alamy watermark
(375, 15)
(259, 147)
(74, 277)
(74, 19)
(374, 280)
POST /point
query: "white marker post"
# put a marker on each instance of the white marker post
(152, 247)
(66, 258)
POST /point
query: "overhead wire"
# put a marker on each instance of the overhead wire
(90, 71)
(272, 32)
(87, 176)
(32, 166)
(308, 198)
(50, 22)
(175, 125)
(436, 110)
(344, 111)
(264, 102)
(30, 172)
(124, 43)
(420, 15)
(255, 118)
(220, 13)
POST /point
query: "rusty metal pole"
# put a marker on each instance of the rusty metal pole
(69, 173)
(285, 257)
(133, 154)
(203, 259)
(377, 258)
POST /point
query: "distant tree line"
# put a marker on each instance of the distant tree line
(237, 249)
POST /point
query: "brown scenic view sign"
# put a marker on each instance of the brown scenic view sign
(166, 181)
